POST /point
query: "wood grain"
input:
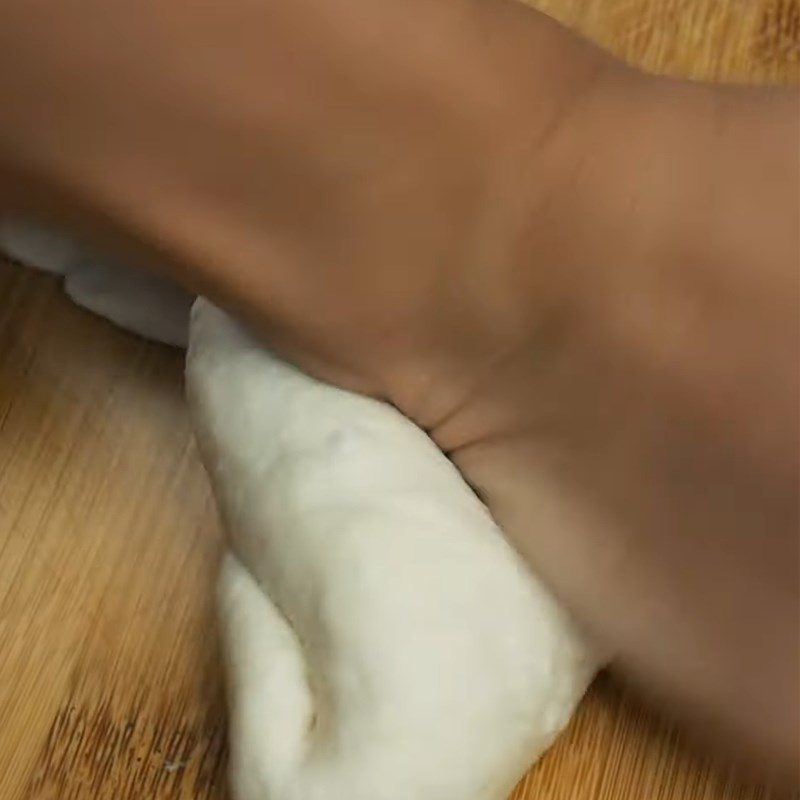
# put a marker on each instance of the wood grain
(751, 41)
(109, 678)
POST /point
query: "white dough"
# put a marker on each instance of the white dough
(133, 299)
(383, 640)
(39, 246)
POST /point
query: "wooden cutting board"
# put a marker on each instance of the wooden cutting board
(109, 677)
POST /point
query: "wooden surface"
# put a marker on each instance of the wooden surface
(731, 40)
(109, 676)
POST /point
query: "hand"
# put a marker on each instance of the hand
(555, 265)
(351, 177)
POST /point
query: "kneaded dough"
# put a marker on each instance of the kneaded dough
(383, 640)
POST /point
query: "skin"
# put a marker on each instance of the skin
(573, 275)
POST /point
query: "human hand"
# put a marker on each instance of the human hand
(455, 205)
(353, 179)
